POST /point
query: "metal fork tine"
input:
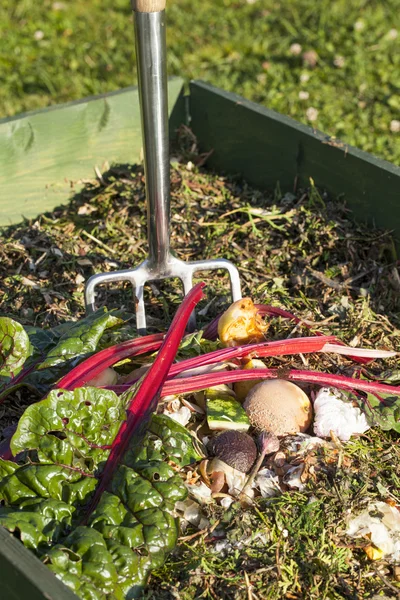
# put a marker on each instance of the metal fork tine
(223, 264)
(140, 310)
(187, 281)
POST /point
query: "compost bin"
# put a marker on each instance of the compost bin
(46, 155)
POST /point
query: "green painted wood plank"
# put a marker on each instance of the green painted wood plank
(42, 152)
(266, 147)
(24, 577)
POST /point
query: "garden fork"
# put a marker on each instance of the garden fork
(160, 263)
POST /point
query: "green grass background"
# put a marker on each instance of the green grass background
(54, 52)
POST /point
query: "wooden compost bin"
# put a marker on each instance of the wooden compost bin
(46, 155)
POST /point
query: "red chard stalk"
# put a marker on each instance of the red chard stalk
(146, 394)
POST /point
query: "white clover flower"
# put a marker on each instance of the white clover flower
(303, 95)
(392, 34)
(359, 25)
(295, 49)
(304, 77)
(38, 35)
(312, 114)
(339, 61)
(395, 126)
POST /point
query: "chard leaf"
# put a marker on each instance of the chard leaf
(14, 347)
(392, 377)
(384, 414)
(108, 555)
(119, 524)
(76, 342)
(42, 340)
(194, 344)
(169, 431)
(80, 339)
(52, 353)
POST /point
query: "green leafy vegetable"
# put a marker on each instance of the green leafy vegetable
(14, 347)
(383, 412)
(49, 354)
(194, 344)
(92, 500)
(80, 339)
(42, 340)
(67, 437)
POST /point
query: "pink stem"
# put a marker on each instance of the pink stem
(94, 365)
(19, 378)
(201, 382)
(145, 396)
(304, 345)
(5, 449)
(211, 331)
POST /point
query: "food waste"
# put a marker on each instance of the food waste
(127, 442)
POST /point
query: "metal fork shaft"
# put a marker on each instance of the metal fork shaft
(152, 76)
(153, 94)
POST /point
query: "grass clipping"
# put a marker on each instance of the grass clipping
(300, 251)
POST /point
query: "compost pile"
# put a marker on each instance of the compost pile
(277, 490)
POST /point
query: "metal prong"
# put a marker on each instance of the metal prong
(95, 280)
(140, 310)
(187, 282)
(226, 265)
(147, 272)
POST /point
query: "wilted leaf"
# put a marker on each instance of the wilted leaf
(14, 347)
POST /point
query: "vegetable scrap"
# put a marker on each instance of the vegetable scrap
(97, 466)
(248, 466)
(333, 415)
(380, 524)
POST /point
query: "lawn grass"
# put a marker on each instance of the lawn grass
(59, 51)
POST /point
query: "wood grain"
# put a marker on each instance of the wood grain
(148, 6)
(24, 577)
(43, 153)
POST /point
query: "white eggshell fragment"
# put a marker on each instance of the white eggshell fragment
(332, 414)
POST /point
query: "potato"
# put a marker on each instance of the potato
(278, 406)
